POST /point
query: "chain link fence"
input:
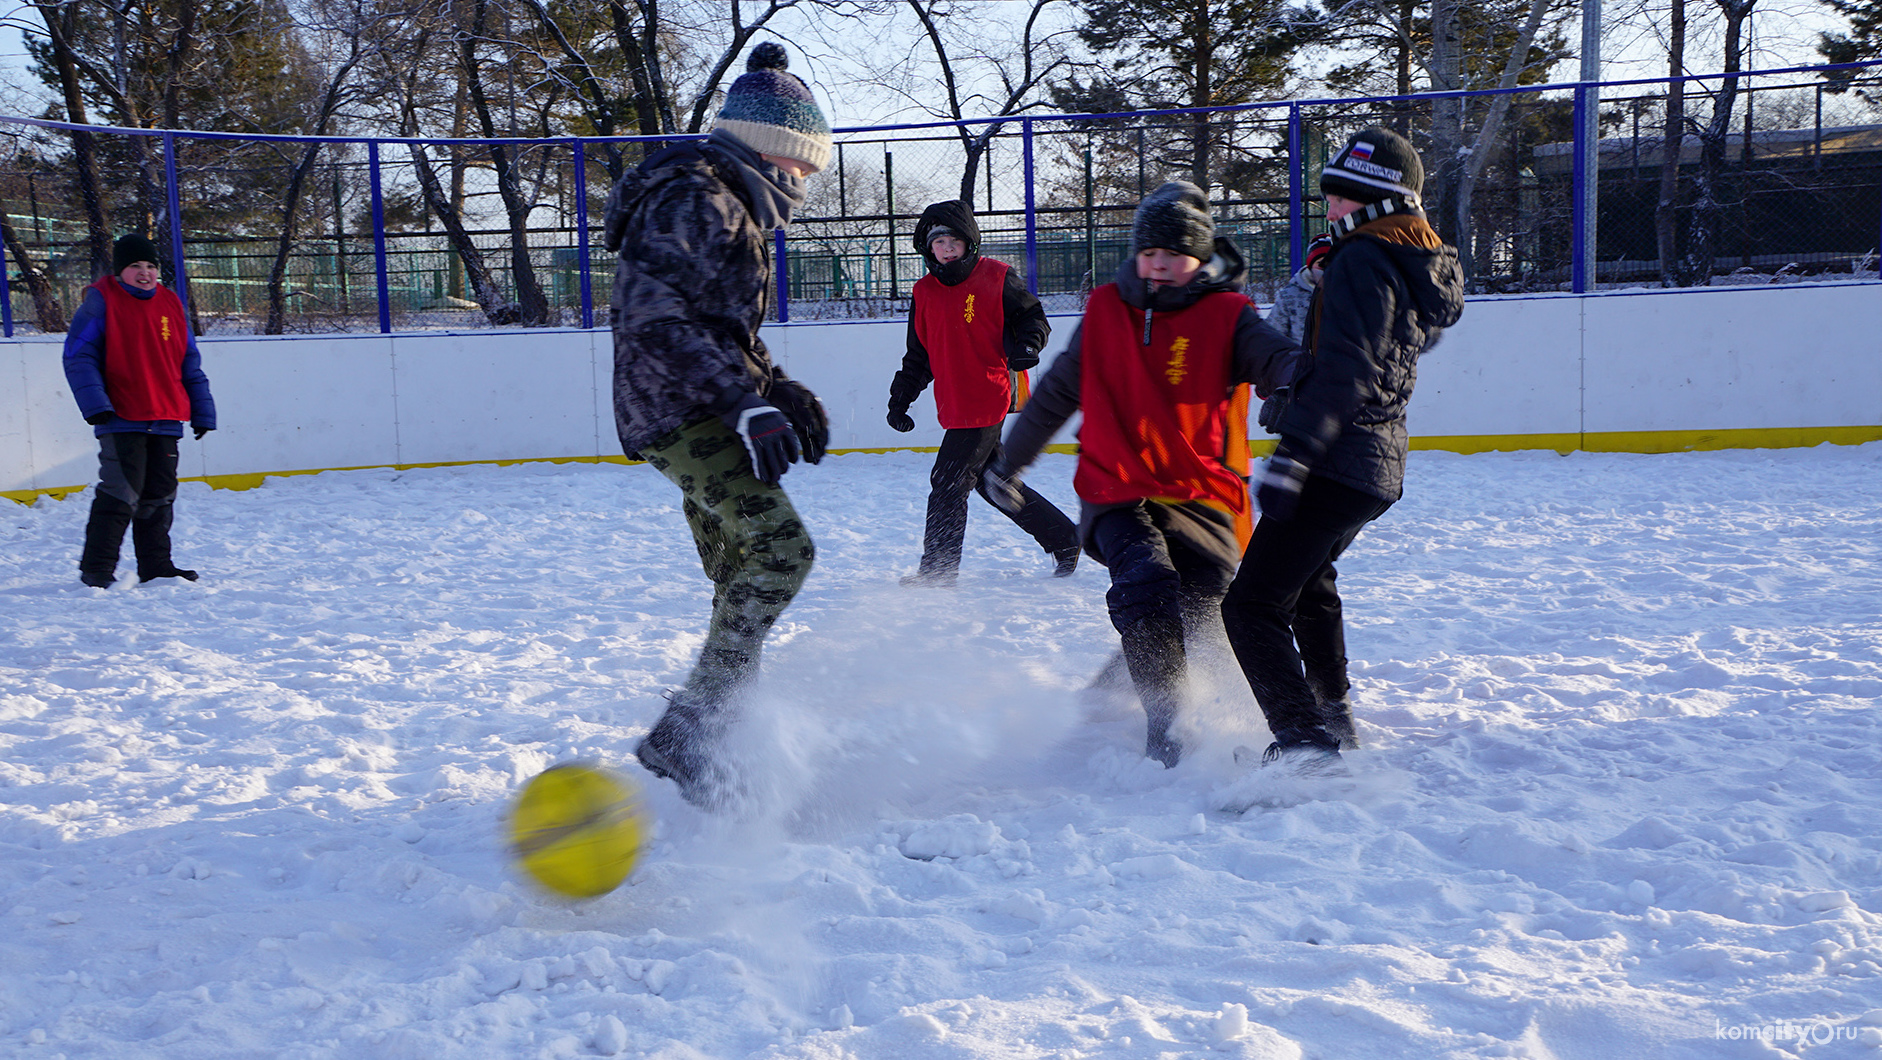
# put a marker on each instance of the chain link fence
(404, 235)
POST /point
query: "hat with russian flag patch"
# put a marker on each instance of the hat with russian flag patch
(1375, 164)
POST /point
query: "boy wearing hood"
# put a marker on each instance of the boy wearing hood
(1159, 367)
(696, 394)
(972, 329)
(1390, 288)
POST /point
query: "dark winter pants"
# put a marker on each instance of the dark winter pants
(136, 488)
(1283, 616)
(965, 453)
(1167, 562)
(750, 542)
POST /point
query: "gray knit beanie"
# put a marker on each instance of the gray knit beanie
(1175, 217)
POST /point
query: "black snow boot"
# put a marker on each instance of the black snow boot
(1153, 649)
(1336, 718)
(678, 746)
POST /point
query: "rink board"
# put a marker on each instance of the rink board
(1629, 372)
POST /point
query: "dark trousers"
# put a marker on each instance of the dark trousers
(136, 488)
(965, 453)
(1168, 563)
(1283, 616)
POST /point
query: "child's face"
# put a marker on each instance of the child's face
(142, 275)
(947, 248)
(1339, 206)
(800, 170)
(1160, 265)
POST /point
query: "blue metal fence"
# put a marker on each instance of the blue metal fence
(853, 258)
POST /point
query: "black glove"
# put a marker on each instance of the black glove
(99, 419)
(200, 431)
(900, 419)
(1270, 415)
(1024, 361)
(1001, 485)
(1278, 494)
(807, 417)
(767, 436)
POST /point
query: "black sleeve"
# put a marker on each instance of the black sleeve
(915, 374)
(1358, 299)
(1052, 403)
(1026, 327)
(1264, 356)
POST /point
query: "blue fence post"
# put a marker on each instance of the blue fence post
(6, 297)
(784, 278)
(1032, 221)
(175, 205)
(1579, 248)
(379, 239)
(1296, 204)
(581, 232)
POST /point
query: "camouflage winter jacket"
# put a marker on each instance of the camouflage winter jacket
(691, 289)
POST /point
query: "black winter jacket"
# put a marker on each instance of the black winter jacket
(1389, 291)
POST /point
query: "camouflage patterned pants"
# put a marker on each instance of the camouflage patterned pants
(750, 541)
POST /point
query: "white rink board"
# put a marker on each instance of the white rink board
(1791, 356)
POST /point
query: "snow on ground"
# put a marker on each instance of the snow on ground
(1620, 796)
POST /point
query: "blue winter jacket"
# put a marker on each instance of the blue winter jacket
(85, 374)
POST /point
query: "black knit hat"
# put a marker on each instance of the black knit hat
(1175, 217)
(130, 248)
(1375, 164)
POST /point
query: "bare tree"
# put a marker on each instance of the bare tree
(1020, 71)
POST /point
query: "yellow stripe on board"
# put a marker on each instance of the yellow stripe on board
(1601, 442)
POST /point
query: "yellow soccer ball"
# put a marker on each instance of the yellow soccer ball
(577, 828)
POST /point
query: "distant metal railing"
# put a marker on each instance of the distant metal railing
(1787, 201)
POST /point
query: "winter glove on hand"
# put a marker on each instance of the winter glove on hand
(1272, 408)
(900, 419)
(1001, 486)
(1024, 361)
(767, 436)
(99, 419)
(200, 431)
(807, 417)
(1278, 494)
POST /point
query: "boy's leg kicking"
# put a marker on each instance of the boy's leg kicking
(757, 553)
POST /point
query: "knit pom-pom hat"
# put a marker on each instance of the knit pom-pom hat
(773, 112)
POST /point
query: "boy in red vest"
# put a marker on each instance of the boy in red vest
(974, 326)
(1158, 367)
(137, 377)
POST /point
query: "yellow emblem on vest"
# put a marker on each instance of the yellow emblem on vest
(1179, 361)
(967, 310)
(166, 328)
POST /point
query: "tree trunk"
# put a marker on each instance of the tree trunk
(1707, 210)
(284, 244)
(1447, 119)
(1666, 211)
(84, 148)
(50, 316)
(1487, 136)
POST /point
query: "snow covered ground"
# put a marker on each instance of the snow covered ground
(1620, 797)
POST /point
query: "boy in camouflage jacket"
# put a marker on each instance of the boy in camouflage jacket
(696, 394)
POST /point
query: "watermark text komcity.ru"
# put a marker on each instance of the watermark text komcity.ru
(1802, 1032)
